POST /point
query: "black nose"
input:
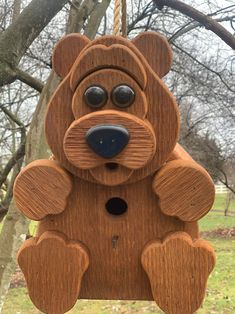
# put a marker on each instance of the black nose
(107, 140)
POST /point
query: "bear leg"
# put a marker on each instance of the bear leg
(178, 269)
(53, 268)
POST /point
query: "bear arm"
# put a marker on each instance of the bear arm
(184, 188)
(42, 188)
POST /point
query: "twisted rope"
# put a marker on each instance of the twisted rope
(120, 18)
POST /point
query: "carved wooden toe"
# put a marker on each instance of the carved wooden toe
(53, 268)
(178, 269)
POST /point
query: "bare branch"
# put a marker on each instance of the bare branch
(192, 25)
(96, 18)
(5, 203)
(12, 116)
(29, 80)
(225, 181)
(200, 17)
(20, 152)
(11, 163)
(79, 15)
(205, 66)
(17, 38)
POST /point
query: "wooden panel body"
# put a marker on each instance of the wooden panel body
(114, 272)
(153, 247)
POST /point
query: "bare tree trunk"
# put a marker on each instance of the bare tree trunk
(228, 202)
(15, 225)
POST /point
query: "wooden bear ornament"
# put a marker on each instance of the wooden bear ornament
(118, 206)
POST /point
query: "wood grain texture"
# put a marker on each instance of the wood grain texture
(99, 56)
(139, 151)
(179, 153)
(153, 246)
(111, 177)
(162, 114)
(162, 108)
(109, 79)
(53, 268)
(115, 270)
(66, 52)
(178, 269)
(109, 40)
(156, 50)
(185, 190)
(42, 188)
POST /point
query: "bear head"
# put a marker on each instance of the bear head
(112, 120)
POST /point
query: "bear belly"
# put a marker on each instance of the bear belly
(115, 242)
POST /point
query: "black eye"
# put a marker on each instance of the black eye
(95, 96)
(123, 96)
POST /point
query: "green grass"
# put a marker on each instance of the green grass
(215, 220)
(220, 202)
(220, 298)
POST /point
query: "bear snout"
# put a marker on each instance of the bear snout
(120, 137)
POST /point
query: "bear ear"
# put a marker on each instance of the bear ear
(156, 50)
(66, 52)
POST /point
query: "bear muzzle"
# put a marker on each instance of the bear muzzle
(110, 136)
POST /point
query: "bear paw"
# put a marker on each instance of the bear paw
(178, 269)
(53, 268)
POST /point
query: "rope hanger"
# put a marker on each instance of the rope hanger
(120, 18)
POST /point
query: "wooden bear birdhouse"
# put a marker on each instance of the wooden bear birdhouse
(118, 205)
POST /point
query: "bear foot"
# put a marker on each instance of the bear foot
(53, 268)
(178, 269)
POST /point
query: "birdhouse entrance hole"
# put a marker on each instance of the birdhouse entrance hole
(116, 206)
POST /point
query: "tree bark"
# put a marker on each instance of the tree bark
(81, 14)
(17, 38)
(96, 18)
(16, 9)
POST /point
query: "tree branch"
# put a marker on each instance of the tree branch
(78, 16)
(12, 162)
(12, 117)
(4, 205)
(200, 17)
(20, 152)
(191, 26)
(29, 80)
(225, 181)
(96, 18)
(205, 66)
(17, 38)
